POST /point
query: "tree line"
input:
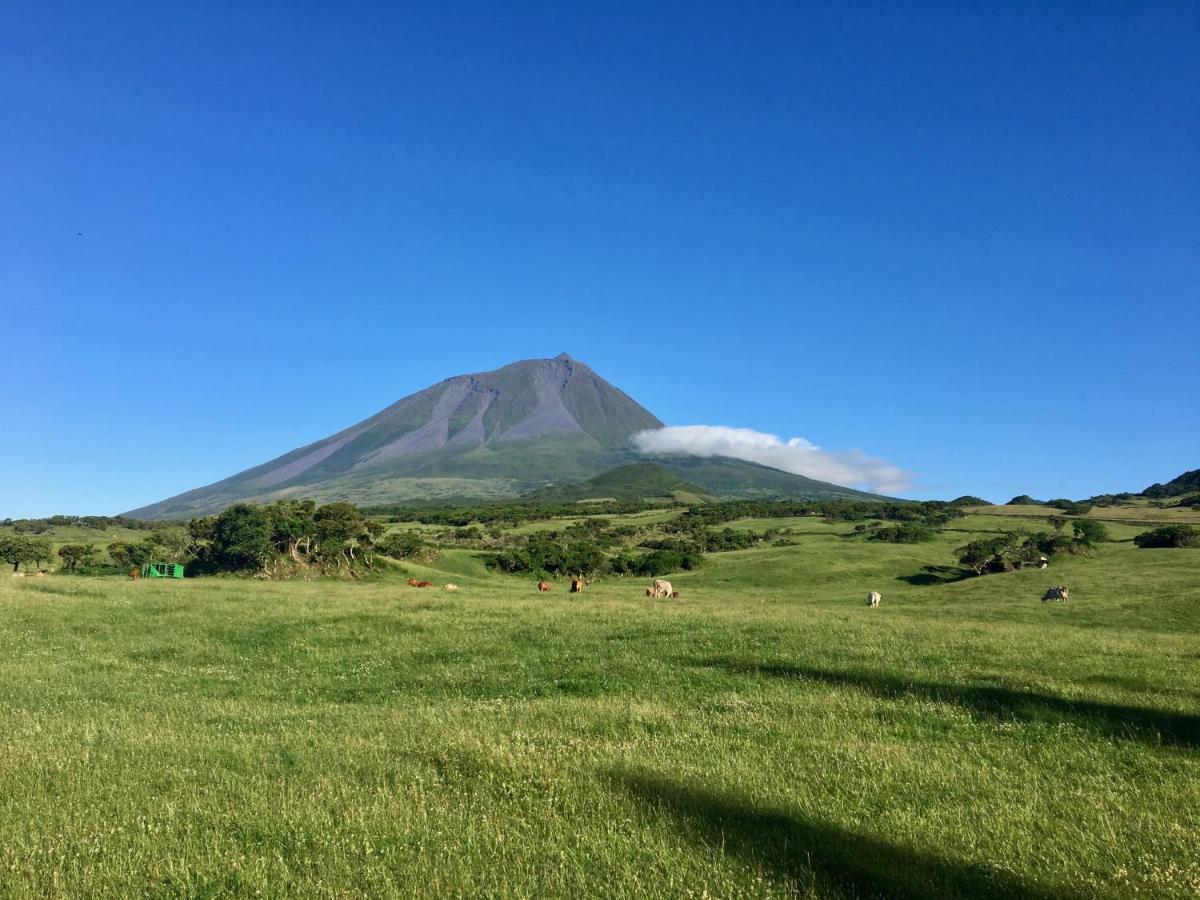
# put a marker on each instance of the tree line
(47, 524)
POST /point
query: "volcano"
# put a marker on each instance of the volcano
(490, 435)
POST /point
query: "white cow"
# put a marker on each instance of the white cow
(662, 588)
(874, 598)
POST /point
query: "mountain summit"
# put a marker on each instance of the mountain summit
(497, 434)
(531, 423)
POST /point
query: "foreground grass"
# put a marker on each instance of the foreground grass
(766, 735)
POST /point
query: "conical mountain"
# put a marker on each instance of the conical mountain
(490, 434)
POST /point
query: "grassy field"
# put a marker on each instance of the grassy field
(766, 735)
(1134, 512)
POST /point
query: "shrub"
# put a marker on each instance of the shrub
(402, 545)
(1169, 536)
(908, 533)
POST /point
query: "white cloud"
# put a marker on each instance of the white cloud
(849, 468)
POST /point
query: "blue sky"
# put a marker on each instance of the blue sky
(963, 238)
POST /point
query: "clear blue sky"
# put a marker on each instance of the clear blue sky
(964, 238)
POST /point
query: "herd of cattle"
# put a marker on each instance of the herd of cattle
(660, 587)
(663, 589)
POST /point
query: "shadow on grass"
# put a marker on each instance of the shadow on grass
(1151, 726)
(930, 575)
(817, 856)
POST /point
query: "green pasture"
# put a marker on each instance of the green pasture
(1138, 512)
(765, 735)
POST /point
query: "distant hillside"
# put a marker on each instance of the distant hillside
(1187, 483)
(738, 479)
(1181, 486)
(714, 478)
(635, 481)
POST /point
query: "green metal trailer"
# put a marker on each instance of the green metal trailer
(162, 570)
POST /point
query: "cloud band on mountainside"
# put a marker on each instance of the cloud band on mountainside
(848, 468)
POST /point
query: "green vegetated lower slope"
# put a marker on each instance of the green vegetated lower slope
(739, 479)
(634, 481)
(694, 478)
(765, 735)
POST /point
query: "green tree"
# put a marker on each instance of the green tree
(199, 535)
(133, 556)
(988, 554)
(338, 527)
(14, 548)
(170, 542)
(77, 556)
(38, 550)
(292, 526)
(402, 544)
(1089, 532)
(241, 538)
(121, 554)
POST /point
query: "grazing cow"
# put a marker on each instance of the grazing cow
(874, 598)
(674, 595)
(1055, 594)
(650, 592)
(452, 587)
(577, 585)
(412, 582)
(1042, 562)
(662, 588)
(543, 586)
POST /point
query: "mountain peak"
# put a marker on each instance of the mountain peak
(519, 426)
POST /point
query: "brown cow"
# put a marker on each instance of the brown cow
(577, 585)
(134, 573)
(543, 586)
(412, 582)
